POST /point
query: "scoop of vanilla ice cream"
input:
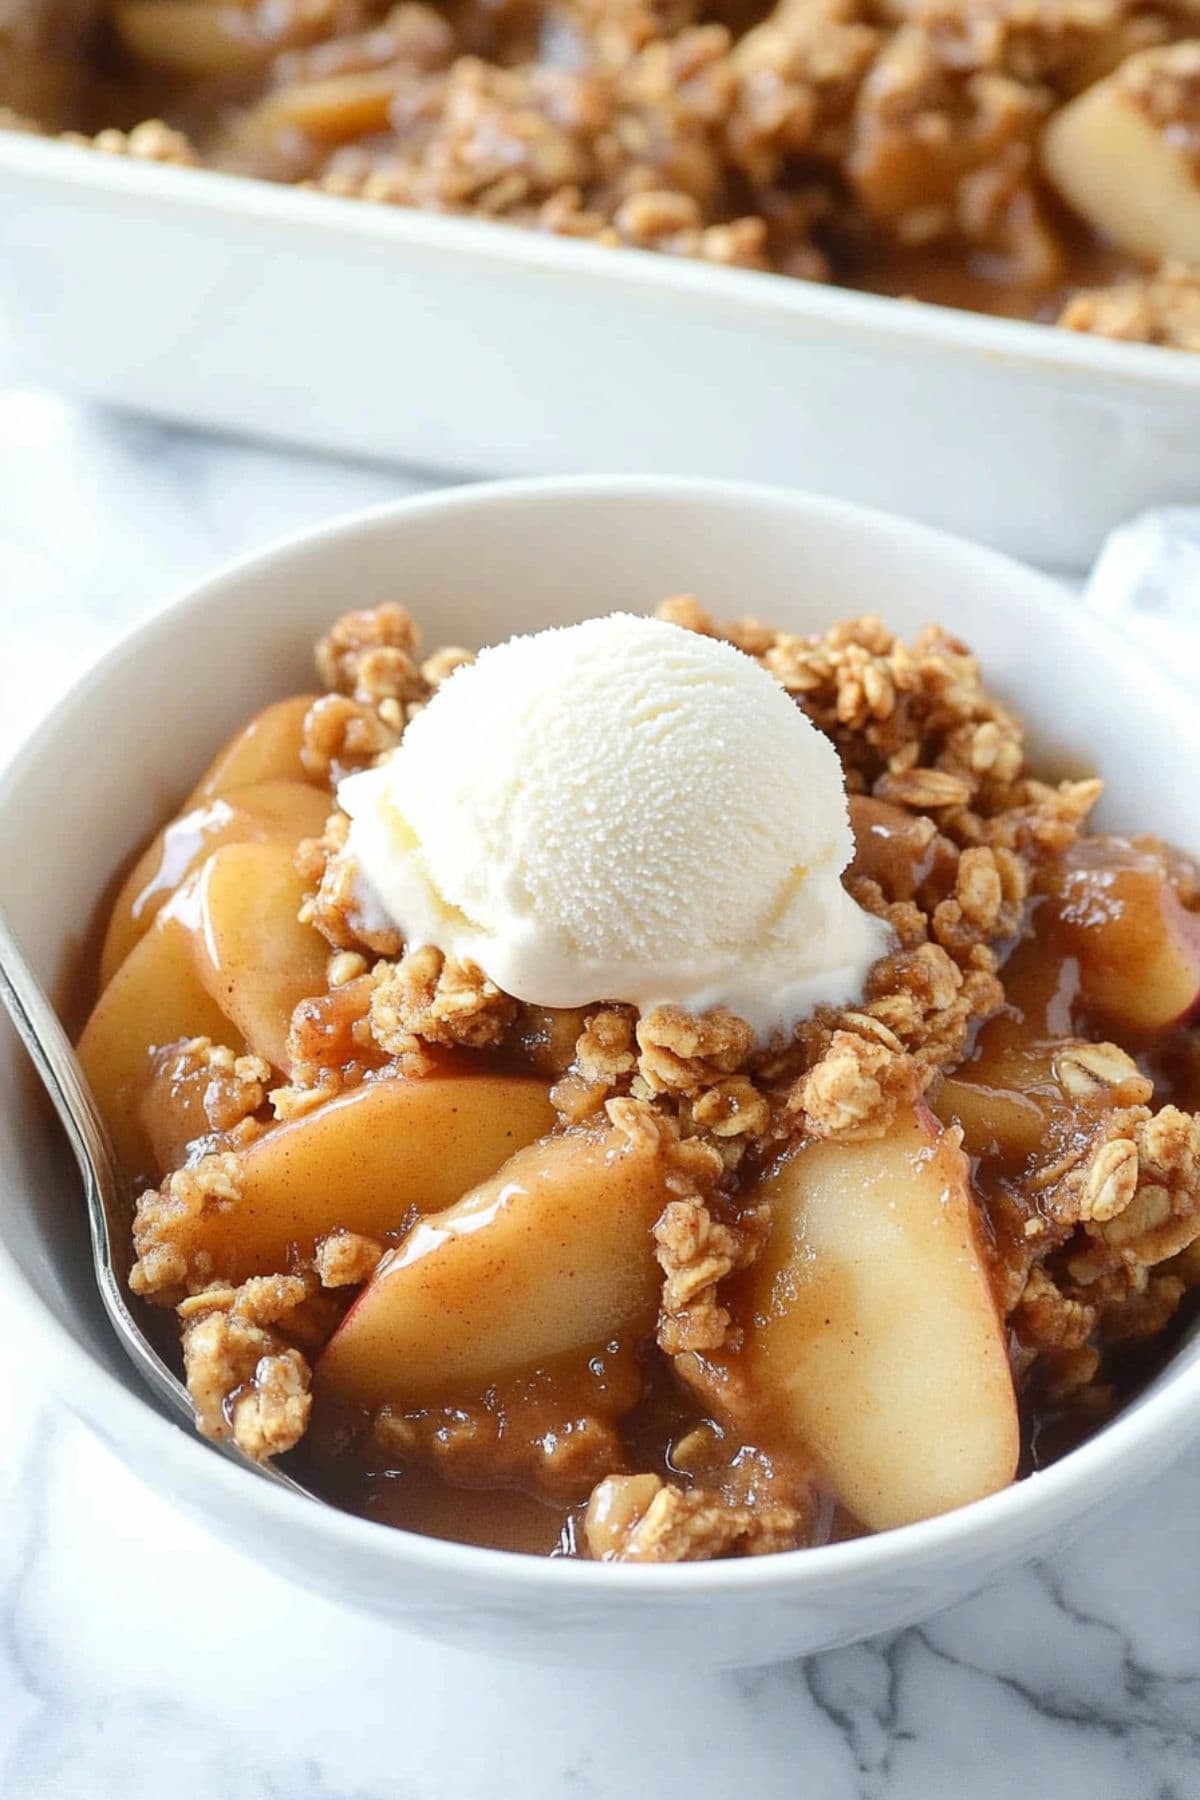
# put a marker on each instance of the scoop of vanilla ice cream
(620, 810)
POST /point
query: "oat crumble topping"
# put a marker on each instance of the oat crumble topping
(641, 1518)
(162, 1226)
(1163, 308)
(151, 141)
(246, 1381)
(425, 999)
(347, 1258)
(334, 905)
(1094, 1237)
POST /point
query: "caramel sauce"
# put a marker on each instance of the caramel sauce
(949, 276)
(414, 1499)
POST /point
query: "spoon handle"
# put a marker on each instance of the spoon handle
(40, 1030)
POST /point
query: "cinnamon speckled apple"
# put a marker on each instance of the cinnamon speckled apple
(267, 749)
(156, 997)
(280, 810)
(554, 1254)
(874, 1339)
(253, 955)
(366, 1160)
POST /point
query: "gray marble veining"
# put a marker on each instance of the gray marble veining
(139, 1657)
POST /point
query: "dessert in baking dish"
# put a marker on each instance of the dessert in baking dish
(1030, 157)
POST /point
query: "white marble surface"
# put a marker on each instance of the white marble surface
(139, 1658)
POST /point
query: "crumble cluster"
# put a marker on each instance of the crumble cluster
(1158, 309)
(698, 1239)
(1165, 84)
(245, 1381)
(163, 1227)
(747, 1508)
(825, 139)
(426, 1000)
(1118, 1220)
(228, 1089)
(244, 1346)
(151, 141)
(642, 1519)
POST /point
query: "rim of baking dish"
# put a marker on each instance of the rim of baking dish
(774, 302)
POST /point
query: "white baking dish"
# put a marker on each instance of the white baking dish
(468, 346)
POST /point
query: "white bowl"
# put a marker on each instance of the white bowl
(477, 564)
(461, 344)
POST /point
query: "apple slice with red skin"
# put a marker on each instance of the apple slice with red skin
(1117, 910)
(267, 749)
(366, 1160)
(283, 811)
(874, 1340)
(553, 1255)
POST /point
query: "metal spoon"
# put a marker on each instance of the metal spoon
(104, 1186)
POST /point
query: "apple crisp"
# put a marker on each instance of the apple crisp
(641, 1284)
(1013, 156)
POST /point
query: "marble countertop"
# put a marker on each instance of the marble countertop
(138, 1657)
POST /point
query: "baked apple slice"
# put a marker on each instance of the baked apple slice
(900, 850)
(267, 749)
(875, 1344)
(334, 110)
(172, 1110)
(365, 1160)
(1004, 1107)
(1011, 1087)
(1017, 1101)
(1122, 154)
(282, 811)
(155, 998)
(1117, 911)
(254, 957)
(196, 39)
(554, 1254)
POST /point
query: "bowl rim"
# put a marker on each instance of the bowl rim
(772, 301)
(1102, 1464)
